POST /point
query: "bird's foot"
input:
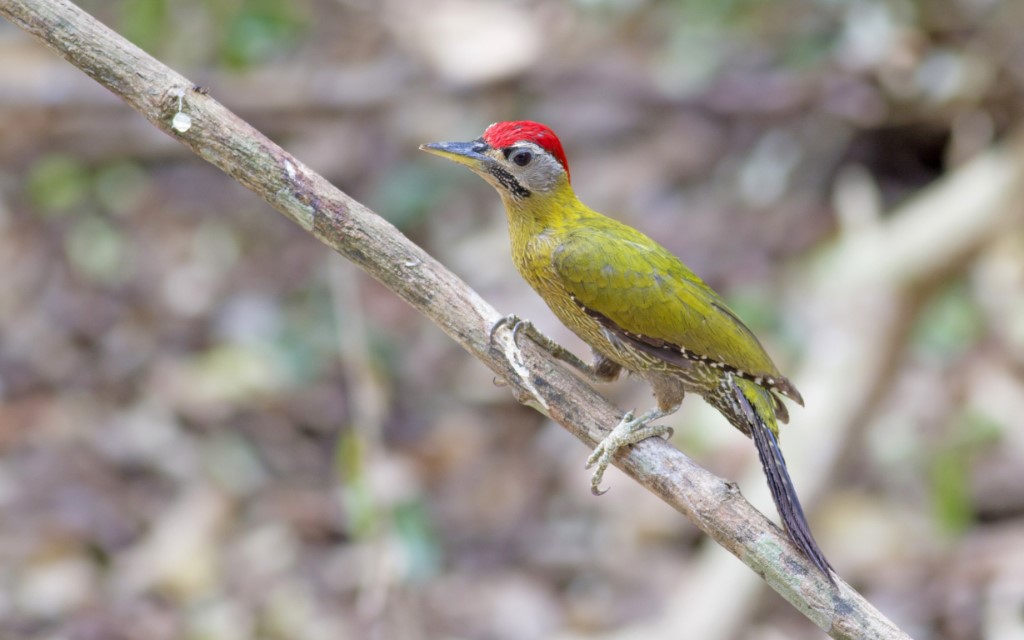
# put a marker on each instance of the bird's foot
(628, 432)
(511, 320)
(525, 327)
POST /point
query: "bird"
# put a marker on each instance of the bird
(639, 308)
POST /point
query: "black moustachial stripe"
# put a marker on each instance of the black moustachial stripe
(509, 181)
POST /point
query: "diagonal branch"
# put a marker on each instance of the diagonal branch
(348, 227)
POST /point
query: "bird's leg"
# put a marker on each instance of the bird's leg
(602, 370)
(629, 431)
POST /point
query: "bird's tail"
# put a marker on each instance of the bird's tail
(754, 402)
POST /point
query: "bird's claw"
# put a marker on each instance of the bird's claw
(557, 351)
(602, 457)
(628, 432)
(519, 326)
(499, 323)
(517, 323)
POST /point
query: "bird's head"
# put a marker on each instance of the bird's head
(520, 159)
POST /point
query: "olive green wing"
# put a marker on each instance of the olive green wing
(648, 298)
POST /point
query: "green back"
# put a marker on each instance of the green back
(636, 283)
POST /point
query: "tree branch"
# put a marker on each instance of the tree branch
(224, 140)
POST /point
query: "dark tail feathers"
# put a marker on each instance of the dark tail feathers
(783, 491)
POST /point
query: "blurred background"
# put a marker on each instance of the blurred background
(211, 427)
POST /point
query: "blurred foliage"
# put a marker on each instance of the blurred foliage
(412, 523)
(121, 187)
(144, 21)
(96, 249)
(258, 30)
(57, 183)
(411, 193)
(950, 470)
(950, 324)
(242, 33)
(350, 459)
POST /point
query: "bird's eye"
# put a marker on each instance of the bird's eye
(522, 158)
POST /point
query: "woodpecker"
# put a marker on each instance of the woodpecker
(636, 305)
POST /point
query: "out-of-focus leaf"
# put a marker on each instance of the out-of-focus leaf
(231, 460)
(97, 251)
(360, 509)
(121, 186)
(144, 21)
(412, 524)
(259, 30)
(949, 325)
(950, 470)
(410, 193)
(218, 243)
(808, 51)
(306, 341)
(231, 373)
(57, 183)
(219, 619)
(977, 429)
(950, 495)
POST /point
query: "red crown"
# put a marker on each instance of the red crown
(503, 134)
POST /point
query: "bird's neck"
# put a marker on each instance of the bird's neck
(537, 224)
(543, 212)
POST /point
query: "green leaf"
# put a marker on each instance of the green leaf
(260, 30)
(144, 22)
(57, 183)
(121, 187)
(423, 554)
(951, 498)
(97, 251)
(949, 325)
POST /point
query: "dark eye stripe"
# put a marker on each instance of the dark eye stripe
(509, 181)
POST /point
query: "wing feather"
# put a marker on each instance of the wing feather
(651, 300)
